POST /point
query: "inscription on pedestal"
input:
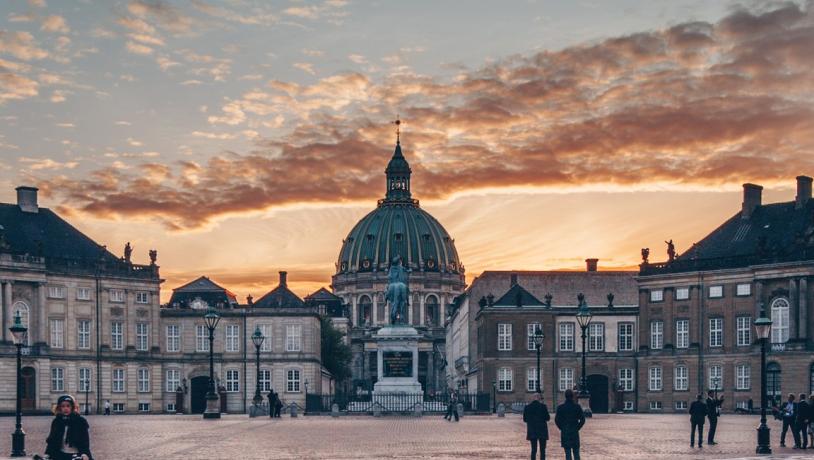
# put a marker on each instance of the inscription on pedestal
(397, 363)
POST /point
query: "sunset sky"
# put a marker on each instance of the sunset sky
(239, 138)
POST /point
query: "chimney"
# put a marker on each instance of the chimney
(751, 199)
(803, 191)
(590, 264)
(513, 279)
(283, 281)
(27, 199)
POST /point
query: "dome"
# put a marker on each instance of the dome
(398, 226)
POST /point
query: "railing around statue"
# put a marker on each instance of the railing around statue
(396, 403)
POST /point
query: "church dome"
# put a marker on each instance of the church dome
(398, 226)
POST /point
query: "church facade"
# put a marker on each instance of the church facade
(398, 227)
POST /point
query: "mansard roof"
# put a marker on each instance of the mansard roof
(322, 295)
(205, 291)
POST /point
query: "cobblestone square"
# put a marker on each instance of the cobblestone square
(632, 436)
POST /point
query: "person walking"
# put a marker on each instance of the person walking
(107, 407)
(713, 411)
(801, 421)
(789, 414)
(270, 397)
(698, 414)
(536, 417)
(452, 407)
(569, 420)
(811, 420)
(278, 405)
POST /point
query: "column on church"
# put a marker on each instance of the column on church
(423, 312)
(375, 309)
(5, 310)
(355, 312)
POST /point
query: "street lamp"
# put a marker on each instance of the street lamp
(212, 408)
(763, 327)
(257, 339)
(538, 345)
(584, 317)
(494, 396)
(18, 332)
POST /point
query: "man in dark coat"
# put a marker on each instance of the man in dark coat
(536, 417)
(569, 420)
(789, 414)
(698, 413)
(801, 420)
(713, 404)
(271, 396)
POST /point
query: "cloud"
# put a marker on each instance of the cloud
(259, 15)
(55, 23)
(20, 45)
(332, 10)
(14, 17)
(37, 164)
(136, 48)
(162, 14)
(14, 86)
(358, 58)
(696, 105)
(305, 67)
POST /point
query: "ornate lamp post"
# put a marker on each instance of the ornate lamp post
(584, 318)
(257, 339)
(494, 396)
(763, 327)
(538, 345)
(18, 332)
(212, 408)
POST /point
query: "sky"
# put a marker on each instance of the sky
(240, 138)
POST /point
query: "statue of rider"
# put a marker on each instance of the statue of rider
(397, 293)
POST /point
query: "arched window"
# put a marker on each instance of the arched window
(365, 311)
(431, 310)
(22, 309)
(773, 390)
(780, 320)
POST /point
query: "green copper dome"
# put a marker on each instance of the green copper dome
(398, 226)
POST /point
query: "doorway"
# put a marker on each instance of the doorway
(29, 396)
(199, 387)
(598, 388)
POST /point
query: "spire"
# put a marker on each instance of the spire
(398, 129)
(398, 172)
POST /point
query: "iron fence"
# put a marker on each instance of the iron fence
(395, 403)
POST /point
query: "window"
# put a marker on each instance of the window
(504, 379)
(173, 337)
(780, 321)
(143, 380)
(118, 407)
(83, 334)
(82, 293)
(171, 407)
(657, 335)
(116, 336)
(531, 330)
(566, 378)
(57, 379)
(504, 337)
(625, 336)
(201, 338)
(57, 333)
(531, 379)
(655, 405)
(716, 332)
(681, 405)
(773, 381)
(566, 336)
(143, 407)
(744, 331)
(142, 336)
(628, 405)
(743, 374)
(681, 378)
(655, 379)
(265, 380)
(683, 333)
(142, 297)
(743, 289)
(117, 295)
(716, 377)
(626, 379)
(232, 338)
(232, 381)
(716, 292)
(173, 380)
(657, 295)
(265, 329)
(682, 293)
(292, 381)
(84, 379)
(596, 337)
(118, 380)
(293, 338)
(56, 292)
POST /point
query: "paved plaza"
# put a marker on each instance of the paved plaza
(630, 436)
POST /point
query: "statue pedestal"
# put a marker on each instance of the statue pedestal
(397, 388)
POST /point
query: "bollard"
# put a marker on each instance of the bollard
(501, 410)
(334, 410)
(377, 410)
(460, 408)
(418, 410)
(293, 411)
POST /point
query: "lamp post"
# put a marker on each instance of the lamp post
(257, 339)
(18, 332)
(538, 345)
(763, 327)
(494, 396)
(584, 317)
(212, 408)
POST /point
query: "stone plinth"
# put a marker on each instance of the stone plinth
(397, 387)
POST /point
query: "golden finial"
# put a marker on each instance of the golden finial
(398, 129)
